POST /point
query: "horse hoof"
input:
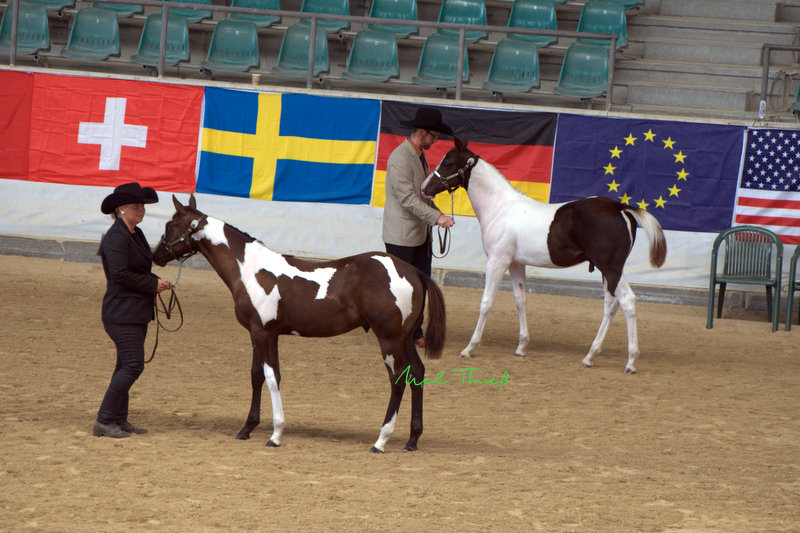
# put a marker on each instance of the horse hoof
(630, 370)
(587, 365)
(465, 356)
(271, 444)
(375, 450)
(242, 436)
(410, 448)
(519, 354)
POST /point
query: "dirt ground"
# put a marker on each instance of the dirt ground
(705, 437)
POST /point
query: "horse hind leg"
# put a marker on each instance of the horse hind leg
(397, 382)
(518, 282)
(610, 306)
(627, 301)
(417, 371)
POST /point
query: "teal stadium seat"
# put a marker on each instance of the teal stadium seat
(794, 286)
(192, 16)
(630, 4)
(438, 63)
(395, 9)
(261, 21)
(122, 10)
(373, 57)
(464, 12)
(327, 7)
(94, 35)
(584, 71)
(603, 16)
(177, 44)
(233, 47)
(53, 5)
(33, 31)
(514, 67)
(293, 56)
(533, 14)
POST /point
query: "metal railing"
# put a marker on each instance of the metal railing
(314, 17)
(766, 49)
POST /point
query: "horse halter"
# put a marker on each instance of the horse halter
(184, 238)
(463, 172)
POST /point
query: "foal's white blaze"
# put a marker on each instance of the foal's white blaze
(214, 231)
(386, 431)
(258, 257)
(278, 421)
(399, 286)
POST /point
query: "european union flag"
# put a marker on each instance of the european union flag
(683, 173)
(289, 147)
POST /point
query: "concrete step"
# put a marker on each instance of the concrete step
(720, 52)
(765, 10)
(710, 29)
(696, 96)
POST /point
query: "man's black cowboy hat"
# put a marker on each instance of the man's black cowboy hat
(430, 119)
(128, 193)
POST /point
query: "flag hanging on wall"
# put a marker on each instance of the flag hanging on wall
(105, 132)
(683, 173)
(519, 145)
(288, 147)
(16, 94)
(769, 186)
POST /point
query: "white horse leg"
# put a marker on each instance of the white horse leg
(518, 283)
(627, 301)
(278, 421)
(494, 275)
(610, 305)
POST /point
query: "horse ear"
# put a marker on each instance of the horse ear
(176, 203)
(192, 202)
(459, 144)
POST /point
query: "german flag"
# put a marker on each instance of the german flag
(519, 145)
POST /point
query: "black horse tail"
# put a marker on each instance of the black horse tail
(436, 327)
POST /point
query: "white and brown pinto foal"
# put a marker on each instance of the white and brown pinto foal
(517, 231)
(277, 294)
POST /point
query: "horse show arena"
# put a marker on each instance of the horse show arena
(705, 437)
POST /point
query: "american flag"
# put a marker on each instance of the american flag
(769, 186)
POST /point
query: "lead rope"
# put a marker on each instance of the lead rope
(444, 238)
(167, 308)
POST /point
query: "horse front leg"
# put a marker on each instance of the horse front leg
(397, 381)
(518, 283)
(257, 381)
(272, 374)
(610, 306)
(494, 275)
(417, 371)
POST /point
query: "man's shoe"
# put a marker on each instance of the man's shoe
(130, 428)
(109, 430)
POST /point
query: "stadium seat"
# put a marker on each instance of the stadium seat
(795, 106)
(603, 16)
(746, 259)
(630, 4)
(439, 61)
(793, 286)
(533, 14)
(373, 57)
(33, 31)
(122, 10)
(395, 9)
(177, 45)
(94, 35)
(261, 21)
(193, 16)
(293, 56)
(233, 47)
(463, 12)
(514, 67)
(584, 71)
(53, 5)
(328, 7)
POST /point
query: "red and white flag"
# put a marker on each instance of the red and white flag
(16, 91)
(769, 184)
(105, 132)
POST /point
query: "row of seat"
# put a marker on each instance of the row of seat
(373, 57)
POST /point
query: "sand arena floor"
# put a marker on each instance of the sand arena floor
(705, 437)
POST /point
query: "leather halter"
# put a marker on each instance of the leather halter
(463, 172)
(185, 238)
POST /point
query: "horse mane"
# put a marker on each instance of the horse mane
(504, 179)
(247, 237)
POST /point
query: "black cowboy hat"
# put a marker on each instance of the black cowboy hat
(128, 193)
(428, 118)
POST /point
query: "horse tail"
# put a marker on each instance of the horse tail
(655, 235)
(436, 328)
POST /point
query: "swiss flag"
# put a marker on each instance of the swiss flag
(105, 132)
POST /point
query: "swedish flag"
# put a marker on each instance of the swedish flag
(288, 147)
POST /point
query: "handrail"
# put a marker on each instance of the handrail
(765, 51)
(314, 17)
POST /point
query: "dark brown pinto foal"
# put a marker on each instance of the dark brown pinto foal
(277, 294)
(517, 231)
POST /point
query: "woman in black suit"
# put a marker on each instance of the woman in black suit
(128, 302)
